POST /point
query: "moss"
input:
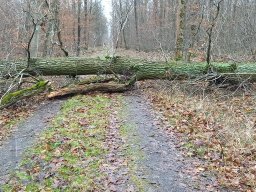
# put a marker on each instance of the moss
(194, 150)
(225, 67)
(13, 96)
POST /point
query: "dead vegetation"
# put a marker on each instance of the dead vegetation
(217, 125)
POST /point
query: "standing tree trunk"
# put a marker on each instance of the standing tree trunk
(180, 27)
(161, 20)
(155, 12)
(136, 25)
(213, 20)
(47, 42)
(195, 21)
(78, 48)
(52, 27)
(74, 27)
(58, 29)
(35, 41)
(86, 26)
(122, 23)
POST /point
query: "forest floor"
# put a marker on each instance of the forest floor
(22, 139)
(166, 132)
(117, 138)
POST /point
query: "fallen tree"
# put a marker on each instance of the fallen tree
(124, 66)
(125, 72)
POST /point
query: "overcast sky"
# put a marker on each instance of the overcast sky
(107, 8)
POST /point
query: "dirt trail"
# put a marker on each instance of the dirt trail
(11, 151)
(160, 169)
(162, 164)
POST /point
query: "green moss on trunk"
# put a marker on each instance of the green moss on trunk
(127, 67)
(13, 97)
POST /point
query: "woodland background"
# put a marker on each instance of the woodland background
(168, 26)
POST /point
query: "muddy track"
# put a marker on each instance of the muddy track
(23, 138)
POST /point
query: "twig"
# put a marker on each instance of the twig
(160, 46)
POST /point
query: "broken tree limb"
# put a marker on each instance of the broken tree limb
(103, 84)
(86, 88)
(12, 97)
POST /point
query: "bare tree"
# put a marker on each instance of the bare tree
(136, 24)
(213, 20)
(180, 27)
(78, 48)
(86, 24)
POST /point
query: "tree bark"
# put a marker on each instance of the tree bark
(125, 66)
(86, 26)
(136, 25)
(131, 69)
(12, 97)
(180, 28)
(83, 89)
(78, 48)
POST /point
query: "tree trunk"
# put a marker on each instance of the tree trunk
(137, 44)
(131, 69)
(124, 66)
(78, 48)
(10, 98)
(86, 26)
(35, 41)
(47, 43)
(180, 28)
(83, 89)
(213, 20)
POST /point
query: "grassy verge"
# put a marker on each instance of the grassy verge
(134, 155)
(69, 154)
(132, 152)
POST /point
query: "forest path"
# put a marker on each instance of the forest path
(142, 156)
(161, 164)
(24, 137)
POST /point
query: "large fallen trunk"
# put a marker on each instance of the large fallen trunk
(131, 69)
(126, 66)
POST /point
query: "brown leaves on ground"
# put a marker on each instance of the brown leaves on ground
(9, 117)
(116, 163)
(217, 126)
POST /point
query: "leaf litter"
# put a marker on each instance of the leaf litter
(214, 125)
(88, 139)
